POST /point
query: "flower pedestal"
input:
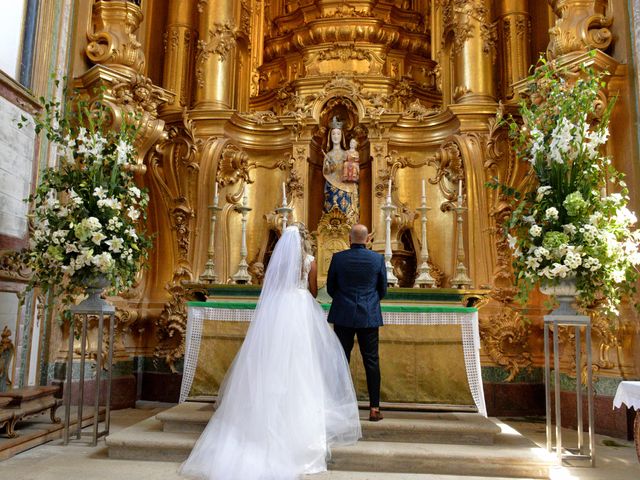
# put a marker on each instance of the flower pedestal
(92, 307)
(566, 316)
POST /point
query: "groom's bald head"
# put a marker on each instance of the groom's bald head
(359, 234)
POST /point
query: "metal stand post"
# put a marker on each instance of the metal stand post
(93, 306)
(565, 316)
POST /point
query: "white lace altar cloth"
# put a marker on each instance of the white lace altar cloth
(467, 318)
(628, 393)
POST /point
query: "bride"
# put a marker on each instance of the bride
(288, 396)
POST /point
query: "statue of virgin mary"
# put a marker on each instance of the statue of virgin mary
(337, 192)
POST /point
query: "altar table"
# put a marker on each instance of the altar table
(629, 393)
(466, 318)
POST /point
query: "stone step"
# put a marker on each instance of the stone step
(340, 475)
(524, 461)
(146, 441)
(511, 455)
(421, 427)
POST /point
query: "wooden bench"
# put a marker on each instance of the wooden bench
(20, 403)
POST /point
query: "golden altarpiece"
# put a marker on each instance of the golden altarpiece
(242, 95)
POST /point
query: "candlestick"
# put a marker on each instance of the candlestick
(242, 275)
(424, 278)
(388, 208)
(284, 195)
(209, 273)
(460, 279)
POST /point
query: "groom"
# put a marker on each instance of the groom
(357, 281)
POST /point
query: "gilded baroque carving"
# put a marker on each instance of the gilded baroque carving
(245, 18)
(221, 39)
(499, 164)
(608, 334)
(344, 53)
(7, 351)
(171, 38)
(174, 167)
(457, 17)
(234, 166)
(347, 11)
(117, 76)
(171, 327)
(136, 95)
(333, 234)
(449, 170)
(112, 40)
(174, 162)
(12, 266)
(581, 26)
(417, 111)
(125, 319)
(201, 4)
(260, 117)
(294, 186)
(181, 216)
(505, 337)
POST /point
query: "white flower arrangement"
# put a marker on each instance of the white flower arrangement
(569, 227)
(87, 210)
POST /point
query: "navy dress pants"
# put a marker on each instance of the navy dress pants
(368, 343)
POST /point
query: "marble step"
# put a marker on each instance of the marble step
(421, 427)
(511, 455)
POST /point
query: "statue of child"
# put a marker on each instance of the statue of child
(351, 165)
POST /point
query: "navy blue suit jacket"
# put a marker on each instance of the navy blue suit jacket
(357, 281)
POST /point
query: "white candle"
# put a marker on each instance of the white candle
(215, 195)
(284, 195)
(460, 187)
(603, 192)
(245, 199)
(389, 193)
(424, 189)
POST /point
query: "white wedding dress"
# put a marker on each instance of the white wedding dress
(288, 396)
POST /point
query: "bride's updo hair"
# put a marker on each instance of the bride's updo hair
(305, 237)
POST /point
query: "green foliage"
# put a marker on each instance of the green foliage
(569, 226)
(87, 210)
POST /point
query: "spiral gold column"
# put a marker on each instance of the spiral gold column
(180, 44)
(215, 55)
